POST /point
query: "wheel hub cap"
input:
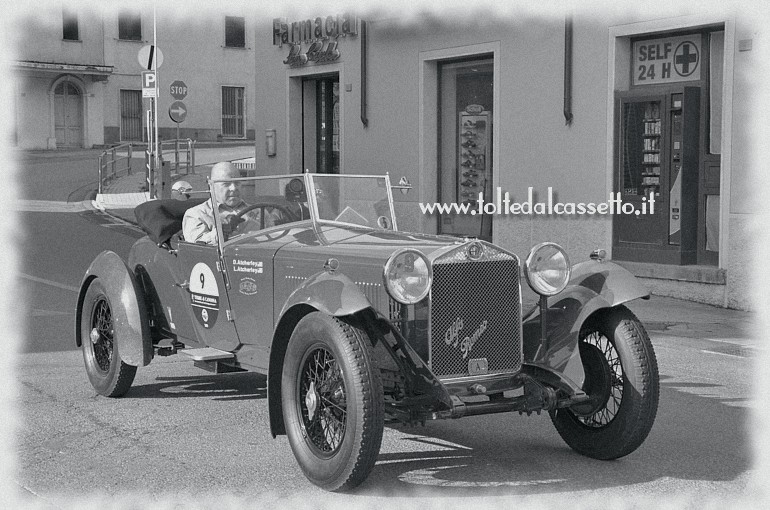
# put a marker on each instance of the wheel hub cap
(311, 400)
(94, 336)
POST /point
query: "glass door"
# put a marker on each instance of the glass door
(465, 143)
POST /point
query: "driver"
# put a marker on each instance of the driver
(198, 222)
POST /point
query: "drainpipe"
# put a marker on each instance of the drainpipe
(568, 69)
(364, 118)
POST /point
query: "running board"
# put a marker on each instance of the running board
(207, 354)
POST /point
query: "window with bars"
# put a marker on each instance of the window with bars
(70, 30)
(232, 111)
(130, 26)
(131, 116)
(235, 32)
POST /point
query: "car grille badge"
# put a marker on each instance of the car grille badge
(478, 366)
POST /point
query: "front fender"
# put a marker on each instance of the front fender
(129, 312)
(593, 286)
(332, 293)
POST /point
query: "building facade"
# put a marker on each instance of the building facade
(78, 76)
(565, 111)
(561, 112)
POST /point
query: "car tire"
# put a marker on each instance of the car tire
(332, 402)
(621, 376)
(108, 374)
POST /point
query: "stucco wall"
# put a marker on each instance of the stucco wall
(32, 108)
(194, 52)
(535, 146)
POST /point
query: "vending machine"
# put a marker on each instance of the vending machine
(473, 154)
(657, 170)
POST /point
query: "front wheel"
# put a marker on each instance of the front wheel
(108, 374)
(332, 402)
(621, 379)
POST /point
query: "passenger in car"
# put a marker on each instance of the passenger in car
(198, 223)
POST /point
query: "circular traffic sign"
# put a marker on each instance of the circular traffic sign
(177, 111)
(150, 57)
(178, 90)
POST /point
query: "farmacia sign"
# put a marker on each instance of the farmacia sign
(319, 36)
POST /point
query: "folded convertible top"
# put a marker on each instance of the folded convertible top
(161, 219)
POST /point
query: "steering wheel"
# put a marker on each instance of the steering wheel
(246, 209)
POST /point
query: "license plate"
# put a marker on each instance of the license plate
(478, 366)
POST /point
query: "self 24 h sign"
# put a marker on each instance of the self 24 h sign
(666, 60)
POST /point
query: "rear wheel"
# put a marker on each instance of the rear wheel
(621, 377)
(108, 374)
(332, 402)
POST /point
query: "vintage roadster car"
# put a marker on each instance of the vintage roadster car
(356, 324)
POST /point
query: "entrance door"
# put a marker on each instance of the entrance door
(321, 124)
(465, 143)
(68, 115)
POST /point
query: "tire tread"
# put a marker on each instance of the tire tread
(634, 420)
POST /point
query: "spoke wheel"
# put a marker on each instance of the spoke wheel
(102, 333)
(108, 374)
(621, 379)
(322, 401)
(332, 401)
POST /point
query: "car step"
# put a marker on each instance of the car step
(207, 354)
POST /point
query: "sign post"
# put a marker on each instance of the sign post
(150, 58)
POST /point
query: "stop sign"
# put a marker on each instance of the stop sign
(178, 90)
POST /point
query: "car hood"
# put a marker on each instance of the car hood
(364, 245)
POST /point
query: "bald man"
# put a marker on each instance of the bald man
(198, 222)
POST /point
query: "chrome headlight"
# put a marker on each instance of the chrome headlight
(407, 276)
(547, 269)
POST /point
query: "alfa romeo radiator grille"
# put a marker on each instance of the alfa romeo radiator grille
(475, 316)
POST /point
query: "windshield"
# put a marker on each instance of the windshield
(263, 202)
(354, 199)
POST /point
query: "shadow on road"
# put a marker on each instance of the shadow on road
(694, 438)
(225, 387)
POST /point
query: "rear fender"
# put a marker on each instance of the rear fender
(593, 286)
(129, 312)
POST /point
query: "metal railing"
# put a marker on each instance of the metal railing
(180, 153)
(180, 147)
(177, 157)
(108, 163)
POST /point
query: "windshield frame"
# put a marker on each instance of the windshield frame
(317, 216)
(312, 201)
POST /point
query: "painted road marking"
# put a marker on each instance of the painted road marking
(49, 282)
(47, 313)
(48, 206)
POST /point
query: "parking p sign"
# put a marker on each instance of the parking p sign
(148, 84)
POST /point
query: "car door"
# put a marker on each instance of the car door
(249, 267)
(208, 301)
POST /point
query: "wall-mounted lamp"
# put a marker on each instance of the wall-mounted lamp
(270, 142)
